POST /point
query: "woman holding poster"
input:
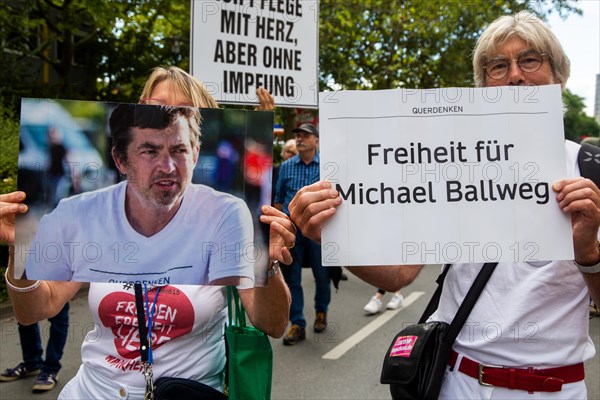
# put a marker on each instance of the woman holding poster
(187, 329)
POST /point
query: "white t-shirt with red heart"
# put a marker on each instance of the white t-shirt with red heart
(187, 332)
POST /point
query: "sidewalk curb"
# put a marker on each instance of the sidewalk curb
(6, 310)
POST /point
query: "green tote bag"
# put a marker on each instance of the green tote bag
(249, 355)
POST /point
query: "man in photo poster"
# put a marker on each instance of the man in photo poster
(168, 230)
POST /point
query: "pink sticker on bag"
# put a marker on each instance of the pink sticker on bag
(403, 346)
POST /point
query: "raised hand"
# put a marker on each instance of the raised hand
(282, 234)
(312, 206)
(11, 204)
(580, 198)
(267, 103)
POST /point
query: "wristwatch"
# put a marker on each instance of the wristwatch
(590, 269)
(274, 270)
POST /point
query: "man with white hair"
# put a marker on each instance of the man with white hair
(527, 336)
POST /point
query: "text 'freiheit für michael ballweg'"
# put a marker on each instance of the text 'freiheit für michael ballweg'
(477, 190)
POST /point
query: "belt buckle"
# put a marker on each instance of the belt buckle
(481, 374)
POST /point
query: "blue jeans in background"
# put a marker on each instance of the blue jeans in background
(31, 343)
(306, 248)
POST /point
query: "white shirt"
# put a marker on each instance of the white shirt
(529, 314)
(187, 340)
(88, 238)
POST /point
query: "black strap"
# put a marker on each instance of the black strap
(468, 303)
(588, 159)
(139, 307)
(435, 299)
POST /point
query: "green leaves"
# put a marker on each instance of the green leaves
(376, 44)
(9, 145)
(92, 49)
(104, 49)
(577, 123)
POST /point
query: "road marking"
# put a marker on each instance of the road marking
(355, 339)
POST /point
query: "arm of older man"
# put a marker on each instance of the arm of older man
(580, 198)
(32, 301)
(313, 205)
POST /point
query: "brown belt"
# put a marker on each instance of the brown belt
(530, 379)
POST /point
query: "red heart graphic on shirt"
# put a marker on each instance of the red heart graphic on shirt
(173, 316)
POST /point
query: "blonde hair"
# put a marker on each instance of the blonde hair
(291, 145)
(188, 85)
(532, 30)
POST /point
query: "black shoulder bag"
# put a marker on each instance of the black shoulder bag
(416, 361)
(166, 388)
(588, 160)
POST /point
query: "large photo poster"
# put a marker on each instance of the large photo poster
(84, 200)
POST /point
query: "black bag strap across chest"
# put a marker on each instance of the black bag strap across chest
(468, 303)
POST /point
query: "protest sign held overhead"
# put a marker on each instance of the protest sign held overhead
(239, 45)
(444, 175)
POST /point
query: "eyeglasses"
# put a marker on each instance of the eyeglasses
(160, 102)
(530, 61)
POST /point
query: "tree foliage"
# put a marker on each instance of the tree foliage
(9, 145)
(44, 37)
(577, 123)
(364, 44)
(148, 34)
(384, 44)
(112, 42)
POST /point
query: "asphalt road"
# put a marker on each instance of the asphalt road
(344, 362)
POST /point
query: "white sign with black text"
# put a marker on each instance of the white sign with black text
(239, 45)
(444, 175)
